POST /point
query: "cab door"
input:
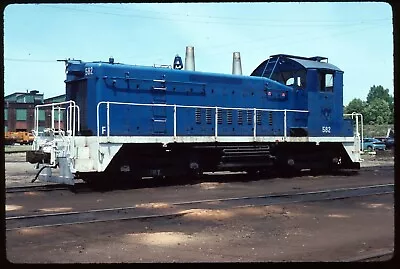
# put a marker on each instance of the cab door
(325, 102)
(329, 100)
(300, 102)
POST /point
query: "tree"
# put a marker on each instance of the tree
(378, 109)
(355, 105)
(378, 92)
(377, 112)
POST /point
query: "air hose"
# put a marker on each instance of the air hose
(40, 170)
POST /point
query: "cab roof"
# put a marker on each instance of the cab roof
(288, 62)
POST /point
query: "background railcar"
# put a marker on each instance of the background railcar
(160, 121)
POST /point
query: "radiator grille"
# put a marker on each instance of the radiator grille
(198, 115)
(258, 117)
(208, 115)
(249, 117)
(240, 117)
(229, 116)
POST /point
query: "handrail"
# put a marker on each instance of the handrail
(175, 107)
(355, 114)
(72, 108)
(70, 120)
(156, 80)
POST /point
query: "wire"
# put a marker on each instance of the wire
(305, 40)
(29, 60)
(230, 18)
(252, 19)
(215, 48)
(271, 45)
(275, 22)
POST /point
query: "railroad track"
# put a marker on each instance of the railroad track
(48, 187)
(30, 188)
(158, 210)
(373, 257)
(84, 186)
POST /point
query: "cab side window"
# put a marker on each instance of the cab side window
(329, 82)
(326, 82)
(301, 81)
(297, 79)
(290, 82)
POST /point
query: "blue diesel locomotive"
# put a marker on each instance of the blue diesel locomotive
(141, 121)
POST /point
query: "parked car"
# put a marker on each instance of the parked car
(389, 141)
(373, 144)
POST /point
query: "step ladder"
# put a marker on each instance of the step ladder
(246, 155)
(159, 118)
(270, 67)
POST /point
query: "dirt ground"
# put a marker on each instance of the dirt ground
(318, 231)
(211, 188)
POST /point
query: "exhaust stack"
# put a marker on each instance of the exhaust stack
(189, 59)
(236, 65)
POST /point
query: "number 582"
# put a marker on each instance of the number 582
(88, 71)
(326, 129)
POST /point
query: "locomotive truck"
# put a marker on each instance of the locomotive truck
(136, 121)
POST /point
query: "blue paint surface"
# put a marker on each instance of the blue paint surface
(281, 82)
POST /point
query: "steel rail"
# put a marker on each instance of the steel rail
(91, 214)
(48, 187)
(285, 194)
(369, 257)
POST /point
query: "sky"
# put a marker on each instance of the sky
(356, 37)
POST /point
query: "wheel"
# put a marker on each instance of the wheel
(369, 148)
(97, 181)
(267, 173)
(289, 171)
(252, 172)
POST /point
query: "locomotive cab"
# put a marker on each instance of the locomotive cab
(317, 86)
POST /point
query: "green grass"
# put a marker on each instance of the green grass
(376, 130)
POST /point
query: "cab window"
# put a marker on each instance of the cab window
(290, 82)
(329, 82)
(295, 78)
(326, 81)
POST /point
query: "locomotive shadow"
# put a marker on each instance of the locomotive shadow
(126, 183)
